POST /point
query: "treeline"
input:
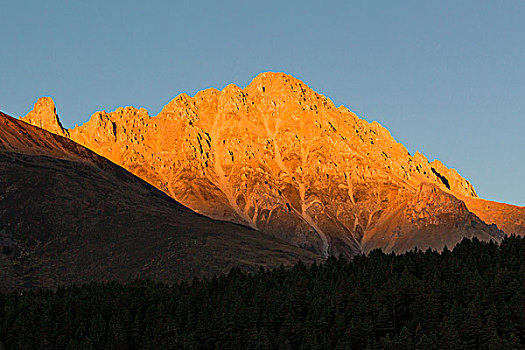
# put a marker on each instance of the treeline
(472, 297)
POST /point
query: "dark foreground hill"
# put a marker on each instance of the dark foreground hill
(472, 297)
(68, 215)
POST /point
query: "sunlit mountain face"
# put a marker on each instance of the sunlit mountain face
(282, 159)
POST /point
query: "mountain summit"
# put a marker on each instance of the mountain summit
(280, 158)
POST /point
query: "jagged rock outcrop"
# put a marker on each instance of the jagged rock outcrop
(281, 158)
(44, 115)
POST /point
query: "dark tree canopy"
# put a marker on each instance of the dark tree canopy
(472, 297)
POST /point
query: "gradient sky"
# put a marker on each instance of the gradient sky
(445, 77)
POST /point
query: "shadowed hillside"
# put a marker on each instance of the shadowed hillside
(68, 215)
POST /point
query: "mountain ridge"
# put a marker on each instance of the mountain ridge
(281, 158)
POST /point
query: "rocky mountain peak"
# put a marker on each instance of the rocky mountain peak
(281, 158)
(44, 115)
(286, 93)
(271, 82)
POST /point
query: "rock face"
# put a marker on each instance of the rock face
(68, 215)
(282, 159)
(421, 222)
(44, 115)
(509, 218)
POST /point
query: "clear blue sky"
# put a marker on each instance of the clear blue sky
(445, 77)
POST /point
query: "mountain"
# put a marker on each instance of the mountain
(509, 218)
(68, 215)
(283, 159)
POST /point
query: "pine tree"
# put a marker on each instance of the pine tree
(495, 342)
(512, 343)
(97, 330)
(404, 340)
(289, 333)
(73, 345)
